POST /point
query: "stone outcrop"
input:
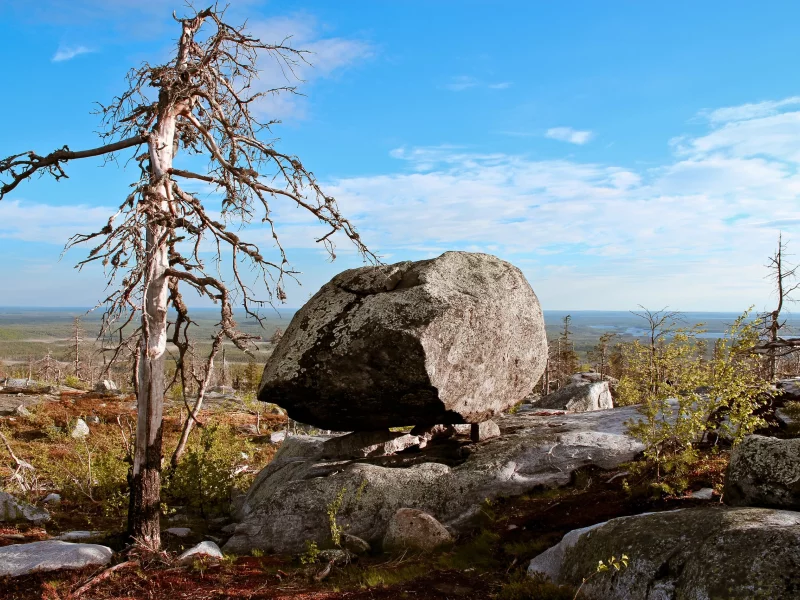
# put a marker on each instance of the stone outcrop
(411, 529)
(204, 550)
(764, 471)
(579, 397)
(13, 510)
(734, 553)
(50, 555)
(454, 339)
(449, 479)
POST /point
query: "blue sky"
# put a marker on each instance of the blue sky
(619, 153)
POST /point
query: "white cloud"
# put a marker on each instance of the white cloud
(50, 224)
(325, 57)
(69, 52)
(568, 134)
(461, 83)
(692, 233)
(749, 111)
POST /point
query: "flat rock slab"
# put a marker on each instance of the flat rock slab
(732, 553)
(51, 555)
(287, 503)
(454, 339)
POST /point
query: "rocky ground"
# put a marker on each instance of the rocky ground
(574, 486)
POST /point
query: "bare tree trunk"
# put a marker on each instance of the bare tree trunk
(144, 510)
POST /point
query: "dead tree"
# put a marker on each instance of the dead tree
(203, 106)
(783, 277)
(78, 338)
(660, 325)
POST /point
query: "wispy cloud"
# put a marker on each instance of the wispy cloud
(749, 111)
(326, 58)
(69, 52)
(568, 134)
(692, 232)
(461, 83)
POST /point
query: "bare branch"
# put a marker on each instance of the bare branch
(23, 166)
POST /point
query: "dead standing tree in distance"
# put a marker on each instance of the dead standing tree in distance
(784, 278)
(152, 247)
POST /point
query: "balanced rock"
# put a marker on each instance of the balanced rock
(691, 553)
(764, 471)
(579, 397)
(454, 339)
(414, 530)
(50, 555)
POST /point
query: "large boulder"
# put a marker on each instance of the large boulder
(288, 502)
(13, 510)
(732, 553)
(579, 397)
(50, 555)
(764, 471)
(454, 339)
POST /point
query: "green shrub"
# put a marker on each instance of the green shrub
(675, 370)
(206, 476)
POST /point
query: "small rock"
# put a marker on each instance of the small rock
(486, 430)
(247, 429)
(50, 555)
(277, 437)
(355, 544)
(106, 386)
(361, 444)
(335, 556)
(703, 494)
(21, 411)
(433, 433)
(414, 529)
(579, 397)
(207, 549)
(80, 430)
(463, 429)
(14, 511)
(180, 532)
(95, 420)
(52, 498)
